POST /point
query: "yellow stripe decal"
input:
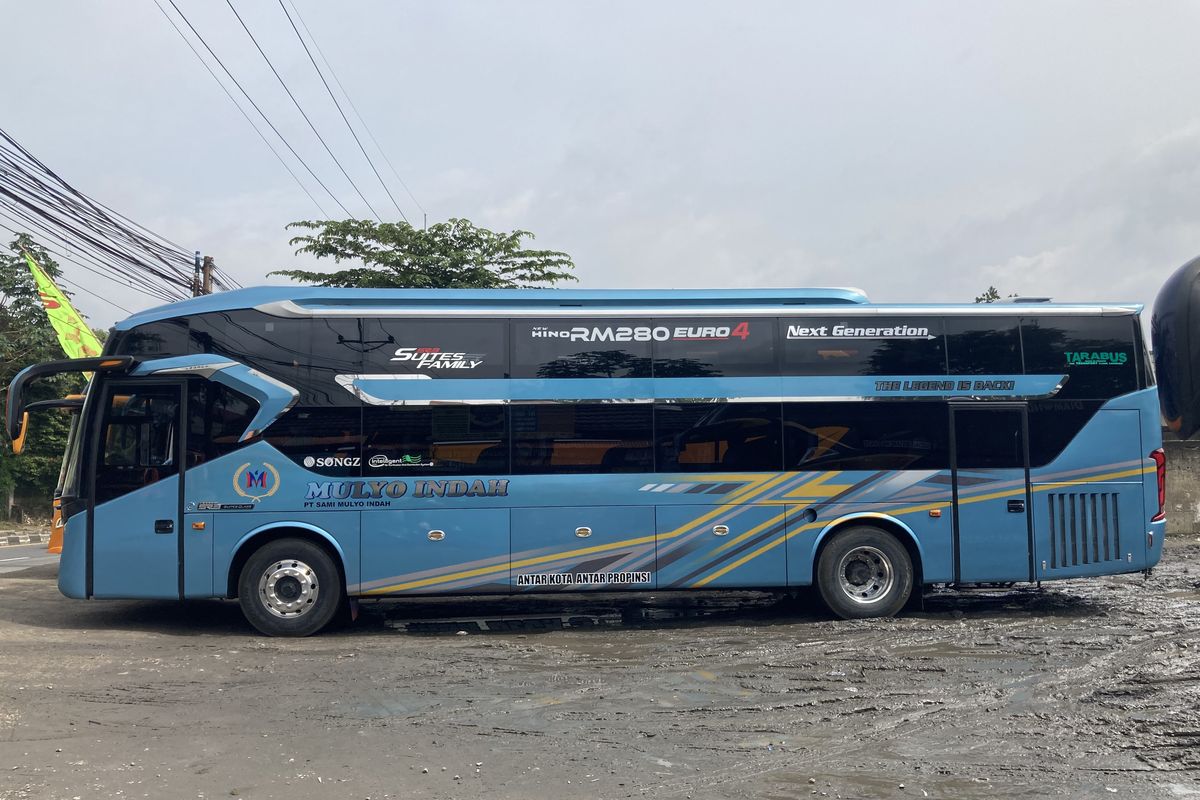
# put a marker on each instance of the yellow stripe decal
(756, 488)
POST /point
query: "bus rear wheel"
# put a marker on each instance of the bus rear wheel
(864, 572)
(290, 587)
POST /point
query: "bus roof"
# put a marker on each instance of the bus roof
(295, 301)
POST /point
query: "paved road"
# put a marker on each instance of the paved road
(1084, 689)
(23, 556)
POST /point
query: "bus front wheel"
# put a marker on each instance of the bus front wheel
(864, 572)
(290, 587)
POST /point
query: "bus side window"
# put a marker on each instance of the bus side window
(983, 345)
(137, 440)
(435, 440)
(581, 348)
(866, 435)
(581, 437)
(708, 347)
(324, 439)
(831, 345)
(217, 418)
(722, 437)
(1097, 353)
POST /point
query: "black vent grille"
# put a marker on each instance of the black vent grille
(1084, 528)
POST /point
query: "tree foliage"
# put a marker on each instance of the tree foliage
(26, 337)
(454, 254)
(991, 295)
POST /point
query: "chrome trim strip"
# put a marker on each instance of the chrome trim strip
(669, 401)
(206, 370)
(289, 308)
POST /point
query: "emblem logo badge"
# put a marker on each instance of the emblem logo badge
(255, 484)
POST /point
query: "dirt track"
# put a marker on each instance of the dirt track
(1087, 689)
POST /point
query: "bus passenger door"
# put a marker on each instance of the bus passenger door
(989, 458)
(137, 492)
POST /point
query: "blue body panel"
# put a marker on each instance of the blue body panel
(129, 558)
(688, 550)
(499, 529)
(395, 542)
(619, 542)
(198, 578)
(72, 564)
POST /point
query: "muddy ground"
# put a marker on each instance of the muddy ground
(1084, 689)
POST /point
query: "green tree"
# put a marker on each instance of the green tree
(26, 337)
(448, 255)
(991, 295)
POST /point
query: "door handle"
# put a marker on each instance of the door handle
(1016, 506)
(164, 526)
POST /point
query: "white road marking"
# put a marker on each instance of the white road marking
(18, 558)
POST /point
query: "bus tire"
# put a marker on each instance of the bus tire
(864, 572)
(290, 587)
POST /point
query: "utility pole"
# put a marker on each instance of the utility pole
(207, 271)
(196, 276)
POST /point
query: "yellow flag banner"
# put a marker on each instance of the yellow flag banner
(76, 338)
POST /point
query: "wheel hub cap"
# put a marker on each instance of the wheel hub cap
(865, 575)
(288, 588)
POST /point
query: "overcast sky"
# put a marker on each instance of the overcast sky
(919, 151)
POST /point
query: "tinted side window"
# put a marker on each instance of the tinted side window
(435, 440)
(157, 339)
(983, 345)
(988, 439)
(324, 439)
(597, 348)
(1053, 424)
(725, 437)
(217, 418)
(711, 347)
(436, 348)
(1098, 353)
(306, 354)
(581, 437)
(862, 346)
(138, 438)
(870, 435)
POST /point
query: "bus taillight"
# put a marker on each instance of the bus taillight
(1160, 470)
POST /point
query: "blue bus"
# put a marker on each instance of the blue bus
(299, 448)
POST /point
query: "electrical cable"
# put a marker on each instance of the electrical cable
(241, 110)
(300, 108)
(345, 119)
(265, 118)
(353, 107)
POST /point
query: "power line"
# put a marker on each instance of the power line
(63, 278)
(37, 199)
(75, 260)
(299, 108)
(238, 106)
(265, 118)
(99, 218)
(354, 108)
(345, 119)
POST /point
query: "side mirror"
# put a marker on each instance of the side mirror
(1175, 336)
